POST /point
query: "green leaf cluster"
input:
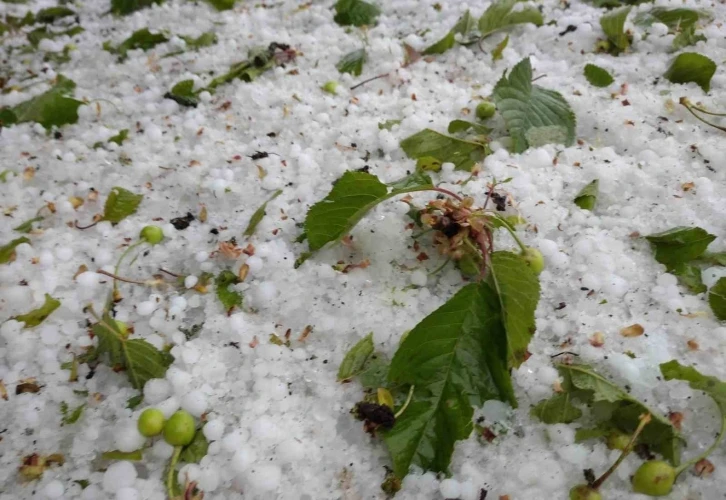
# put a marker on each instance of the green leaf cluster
(683, 251)
(52, 108)
(611, 409)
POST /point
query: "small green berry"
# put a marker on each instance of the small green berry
(151, 234)
(617, 440)
(534, 258)
(330, 87)
(584, 492)
(123, 328)
(151, 422)
(485, 110)
(179, 429)
(654, 478)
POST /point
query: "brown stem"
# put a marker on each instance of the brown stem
(75, 223)
(125, 280)
(369, 80)
(690, 110)
(169, 273)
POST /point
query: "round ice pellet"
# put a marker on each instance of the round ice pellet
(214, 430)
(265, 477)
(119, 475)
(450, 488)
(127, 494)
(195, 403)
(54, 489)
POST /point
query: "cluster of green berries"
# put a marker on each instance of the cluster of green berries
(178, 430)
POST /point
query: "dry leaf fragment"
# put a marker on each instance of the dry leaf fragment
(203, 214)
(688, 186)
(81, 269)
(703, 468)
(229, 250)
(76, 202)
(304, 335)
(597, 339)
(243, 270)
(634, 330)
(676, 419)
(3, 391)
(692, 345)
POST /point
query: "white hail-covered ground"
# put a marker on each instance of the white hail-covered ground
(279, 423)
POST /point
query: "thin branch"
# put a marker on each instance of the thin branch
(119, 278)
(369, 80)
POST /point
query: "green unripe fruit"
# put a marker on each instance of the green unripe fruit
(123, 328)
(151, 234)
(617, 440)
(151, 422)
(485, 110)
(330, 87)
(534, 258)
(179, 429)
(654, 478)
(584, 492)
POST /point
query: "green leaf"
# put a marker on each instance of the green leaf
(141, 39)
(7, 251)
(204, 40)
(686, 37)
(717, 299)
(456, 358)
(355, 13)
(388, 124)
(463, 26)
(518, 291)
(120, 137)
(134, 401)
(352, 62)
(125, 7)
(710, 385)
(229, 298)
(679, 245)
(141, 360)
(183, 94)
(221, 5)
(613, 24)
(676, 19)
(261, 59)
(583, 434)
(557, 410)
(120, 204)
(52, 14)
(499, 16)
(50, 108)
(463, 154)
(259, 214)
(70, 417)
(692, 67)
(27, 226)
(355, 359)
(717, 258)
(587, 197)
(374, 372)
(534, 116)
(42, 33)
(132, 456)
(689, 275)
(37, 316)
(597, 76)
(456, 126)
(499, 49)
(620, 410)
(196, 450)
(352, 197)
